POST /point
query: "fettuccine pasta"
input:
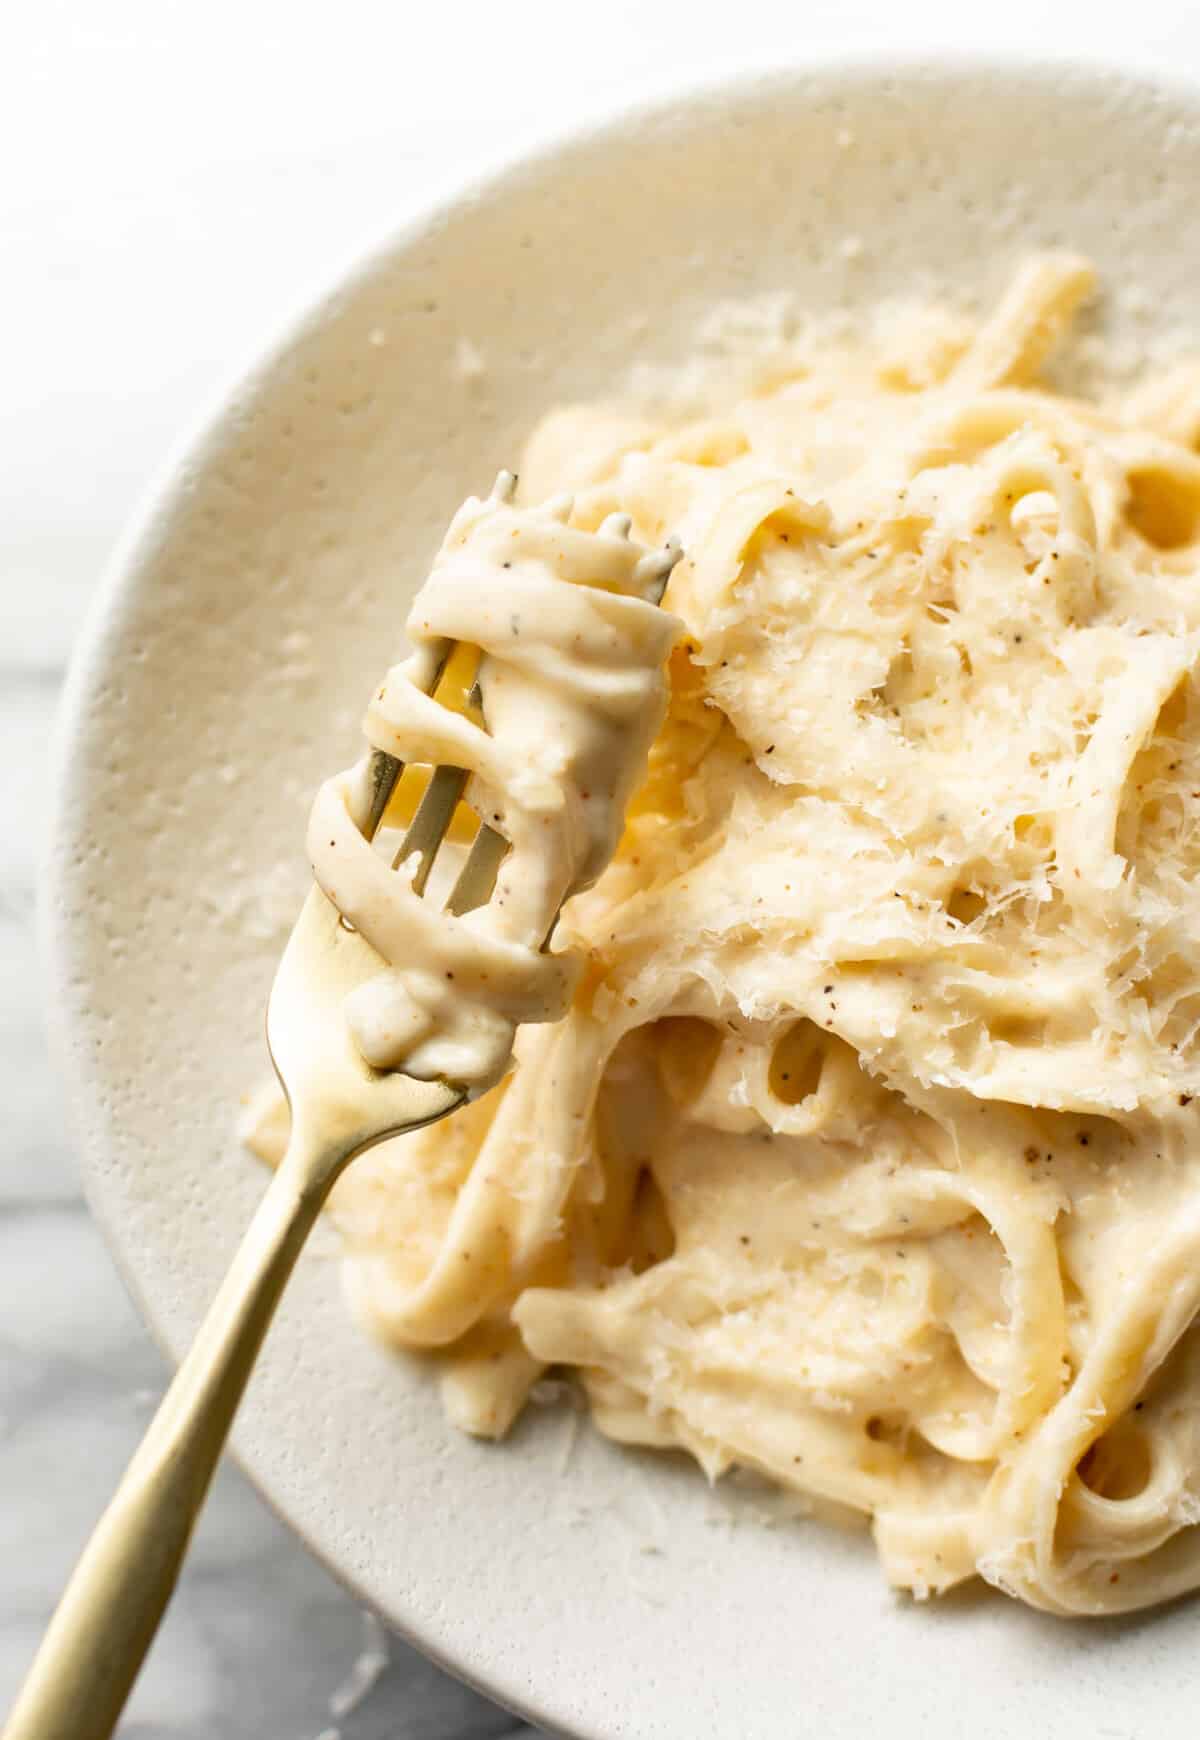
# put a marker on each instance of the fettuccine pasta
(866, 1154)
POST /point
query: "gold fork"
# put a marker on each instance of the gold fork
(340, 1106)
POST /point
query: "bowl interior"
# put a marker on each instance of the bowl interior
(224, 674)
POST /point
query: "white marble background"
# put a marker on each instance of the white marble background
(174, 176)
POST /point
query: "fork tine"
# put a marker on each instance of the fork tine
(386, 769)
(435, 812)
(385, 777)
(428, 827)
(477, 878)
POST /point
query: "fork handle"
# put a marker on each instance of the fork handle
(118, 1592)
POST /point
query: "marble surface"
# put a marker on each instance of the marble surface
(180, 177)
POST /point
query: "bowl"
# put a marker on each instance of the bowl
(599, 1592)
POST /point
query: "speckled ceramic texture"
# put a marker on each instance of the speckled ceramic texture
(223, 675)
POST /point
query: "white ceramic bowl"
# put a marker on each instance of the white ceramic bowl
(222, 674)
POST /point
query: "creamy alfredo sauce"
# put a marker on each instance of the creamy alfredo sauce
(867, 1154)
(573, 692)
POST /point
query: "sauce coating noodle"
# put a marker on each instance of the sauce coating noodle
(866, 1152)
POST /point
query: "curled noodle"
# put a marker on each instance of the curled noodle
(866, 1152)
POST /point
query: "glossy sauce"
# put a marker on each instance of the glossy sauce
(573, 692)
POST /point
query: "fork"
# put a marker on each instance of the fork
(340, 1106)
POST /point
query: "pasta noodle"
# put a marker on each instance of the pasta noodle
(866, 1153)
(568, 655)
